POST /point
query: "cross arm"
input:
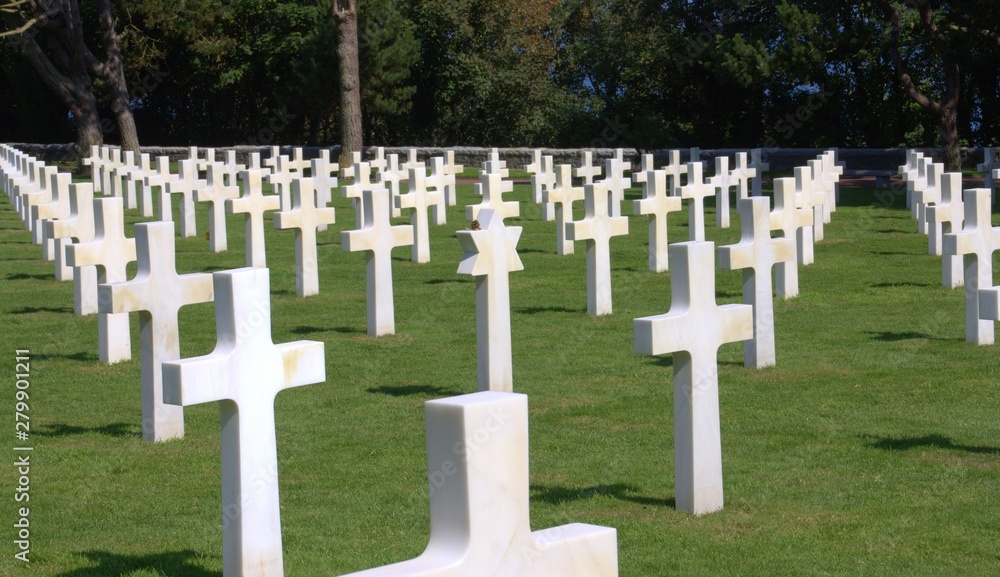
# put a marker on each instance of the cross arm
(736, 256)
(661, 334)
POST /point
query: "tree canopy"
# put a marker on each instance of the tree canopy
(708, 73)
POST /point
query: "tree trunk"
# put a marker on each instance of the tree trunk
(948, 126)
(72, 86)
(113, 74)
(346, 14)
(88, 131)
(946, 110)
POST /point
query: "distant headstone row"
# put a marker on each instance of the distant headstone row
(959, 229)
(95, 249)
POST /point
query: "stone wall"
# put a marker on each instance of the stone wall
(780, 159)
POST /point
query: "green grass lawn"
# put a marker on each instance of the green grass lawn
(872, 448)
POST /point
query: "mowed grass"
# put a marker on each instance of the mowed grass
(872, 448)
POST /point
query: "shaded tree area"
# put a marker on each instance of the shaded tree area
(640, 73)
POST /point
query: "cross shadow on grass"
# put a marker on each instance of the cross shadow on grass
(457, 279)
(892, 337)
(82, 356)
(927, 441)
(308, 330)
(169, 564)
(539, 310)
(621, 491)
(121, 430)
(24, 276)
(31, 310)
(415, 390)
(900, 284)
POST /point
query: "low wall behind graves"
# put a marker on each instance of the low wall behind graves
(780, 159)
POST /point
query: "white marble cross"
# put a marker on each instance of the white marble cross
(30, 181)
(112, 160)
(788, 219)
(216, 193)
(451, 169)
(347, 171)
(646, 165)
(824, 192)
(743, 173)
(80, 226)
(656, 203)
(390, 178)
(298, 164)
(541, 182)
(271, 162)
(760, 168)
(477, 464)
(281, 181)
(492, 187)
(356, 191)
(377, 237)
(696, 190)
(160, 179)
(587, 170)
(94, 161)
(306, 218)
(499, 166)
(440, 181)
(806, 198)
(253, 204)
(561, 195)
(35, 194)
(490, 254)
(58, 208)
(617, 183)
(137, 180)
(987, 168)
(418, 201)
(675, 170)
(949, 214)
(535, 166)
(232, 168)
(918, 182)
(201, 164)
(909, 165)
(756, 254)
(157, 293)
(722, 181)
(597, 228)
(244, 374)
(324, 175)
(187, 182)
(111, 251)
(693, 330)
(378, 163)
(926, 196)
(976, 242)
(832, 171)
(123, 174)
(694, 155)
(411, 161)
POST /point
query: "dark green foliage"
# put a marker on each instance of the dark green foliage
(641, 73)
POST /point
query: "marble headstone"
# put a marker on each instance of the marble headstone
(244, 374)
(693, 331)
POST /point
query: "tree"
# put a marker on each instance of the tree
(945, 110)
(112, 72)
(50, 35)
(346, 14)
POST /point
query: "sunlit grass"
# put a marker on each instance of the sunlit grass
(871, 448)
